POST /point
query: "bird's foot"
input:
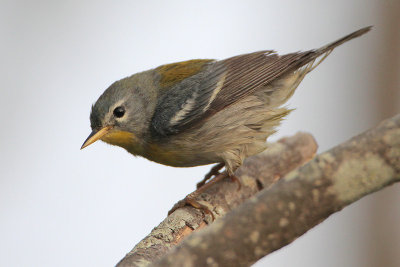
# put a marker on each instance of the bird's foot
(236, 180)
(192, 198)
(213, 172)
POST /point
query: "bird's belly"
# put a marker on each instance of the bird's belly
(179, 156)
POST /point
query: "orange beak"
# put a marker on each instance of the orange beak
(96, 135)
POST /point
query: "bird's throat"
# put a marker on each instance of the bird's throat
(123, 139)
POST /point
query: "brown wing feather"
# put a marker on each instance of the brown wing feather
(241, 76)
(246, 73)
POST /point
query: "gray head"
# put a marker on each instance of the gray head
(124, 107)
(119, 106)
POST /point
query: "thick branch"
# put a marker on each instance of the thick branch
(258, 172)
(298, 202)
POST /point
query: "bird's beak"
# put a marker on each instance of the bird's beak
(96, 135)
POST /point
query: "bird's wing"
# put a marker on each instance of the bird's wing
(197, 89)
(218, 85)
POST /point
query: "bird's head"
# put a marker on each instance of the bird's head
(121, 114)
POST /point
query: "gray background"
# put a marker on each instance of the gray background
(60, 206)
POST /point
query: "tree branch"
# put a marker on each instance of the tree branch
(257, 173)
(302, 199)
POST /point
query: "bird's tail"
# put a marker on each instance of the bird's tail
(323, 52)
(331, 46)
(309, 60)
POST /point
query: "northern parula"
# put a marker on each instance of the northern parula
(203, 111)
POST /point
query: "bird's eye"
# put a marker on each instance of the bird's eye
(119, 112)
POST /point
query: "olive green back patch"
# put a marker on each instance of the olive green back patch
(176, 72)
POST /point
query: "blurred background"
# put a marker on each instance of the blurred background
(60, 206)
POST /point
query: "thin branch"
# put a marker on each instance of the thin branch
(299, 201)
(257, 173)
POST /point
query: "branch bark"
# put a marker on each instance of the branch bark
(257, 173)
(302, 199)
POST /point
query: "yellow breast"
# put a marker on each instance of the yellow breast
(168, 155)
(123, 139)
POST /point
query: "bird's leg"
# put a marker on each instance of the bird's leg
(236, 180)
(191, 199)
(213, 172)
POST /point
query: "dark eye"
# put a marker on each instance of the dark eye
(119, 112)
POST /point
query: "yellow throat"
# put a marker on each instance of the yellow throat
(123, 139)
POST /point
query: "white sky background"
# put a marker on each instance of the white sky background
(60, 206)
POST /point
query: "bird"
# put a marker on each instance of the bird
(204, 111)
